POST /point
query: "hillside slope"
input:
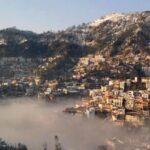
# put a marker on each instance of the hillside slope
(122, 40)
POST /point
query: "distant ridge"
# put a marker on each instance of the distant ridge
(119, 37)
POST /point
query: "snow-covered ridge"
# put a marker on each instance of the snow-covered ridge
(113, 17)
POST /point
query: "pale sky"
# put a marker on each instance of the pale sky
(44, 15)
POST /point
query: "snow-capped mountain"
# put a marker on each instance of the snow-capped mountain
(113, 17)
(122, 39)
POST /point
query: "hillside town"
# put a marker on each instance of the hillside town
(75, 75)
(123, 101)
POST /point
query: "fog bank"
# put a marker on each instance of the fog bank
(34, 123)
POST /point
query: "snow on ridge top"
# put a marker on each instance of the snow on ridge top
(113, 17)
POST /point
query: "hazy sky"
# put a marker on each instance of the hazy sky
(43, 15)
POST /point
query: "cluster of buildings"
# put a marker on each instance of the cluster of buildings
(90, 62)
(48, 63)
(124, 101)
(17, 67)
(20, 87)
(118, 67)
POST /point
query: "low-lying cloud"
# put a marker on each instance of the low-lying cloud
(35, 123)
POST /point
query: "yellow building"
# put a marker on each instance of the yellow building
(134, 119)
